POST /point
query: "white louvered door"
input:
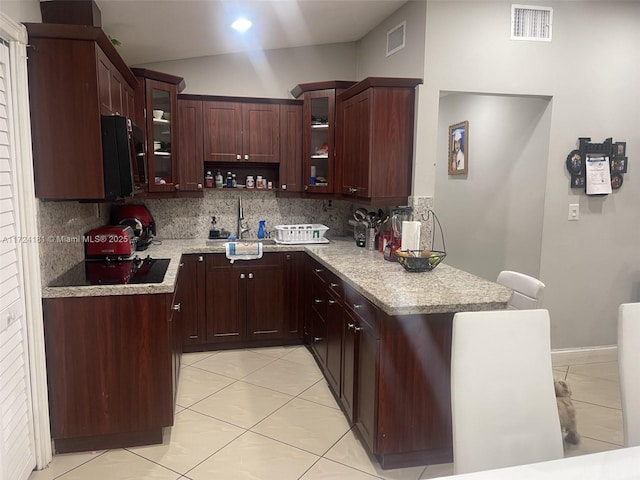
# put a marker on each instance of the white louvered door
(17, 454)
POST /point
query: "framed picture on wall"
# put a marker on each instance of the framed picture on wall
(619, 165)
(459, 148)
(619, 149)
(577, 181)
(575, 162)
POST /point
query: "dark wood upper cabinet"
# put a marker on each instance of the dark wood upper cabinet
(75, 76)
(375, 140)
(159, 94)
(291, 148)
(241, 132)
(222, 131)
(190, 145)
(318, 133)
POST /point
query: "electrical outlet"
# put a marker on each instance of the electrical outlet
(574, 211)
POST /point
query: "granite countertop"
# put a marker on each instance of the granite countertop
(386, 284)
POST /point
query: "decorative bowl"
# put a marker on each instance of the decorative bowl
(158, 114)
(419, 260)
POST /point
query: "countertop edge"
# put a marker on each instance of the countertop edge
(341, 257)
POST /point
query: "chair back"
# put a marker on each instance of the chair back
(628, 362)
(526, 289)
(503, 404)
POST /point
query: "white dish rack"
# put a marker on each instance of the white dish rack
(301, 233)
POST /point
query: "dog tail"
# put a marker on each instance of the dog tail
(573, 438)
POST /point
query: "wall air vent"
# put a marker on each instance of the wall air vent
(395, 38)
(531, 23)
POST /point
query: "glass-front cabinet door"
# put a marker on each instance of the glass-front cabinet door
(318, 141)
(160, 108)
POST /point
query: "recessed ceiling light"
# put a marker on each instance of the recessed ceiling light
(241, 25)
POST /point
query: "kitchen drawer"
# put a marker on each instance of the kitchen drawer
(361, 307)
(330, 279)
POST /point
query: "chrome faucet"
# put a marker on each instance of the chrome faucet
(242, 225)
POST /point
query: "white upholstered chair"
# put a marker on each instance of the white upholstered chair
(628, 361)
(503, 403)
(526, 289)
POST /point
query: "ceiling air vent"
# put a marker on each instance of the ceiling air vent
(395, 38)
(531, 23)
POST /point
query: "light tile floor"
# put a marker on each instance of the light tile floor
(268, 414)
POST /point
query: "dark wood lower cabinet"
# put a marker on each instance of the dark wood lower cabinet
(390, 374)
(250, 303)
(193, 301)
(113, 362)
(111, 369)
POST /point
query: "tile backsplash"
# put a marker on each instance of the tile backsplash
(62, 224)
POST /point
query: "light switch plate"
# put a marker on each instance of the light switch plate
(574, 211)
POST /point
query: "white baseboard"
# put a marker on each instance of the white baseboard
(574, 356)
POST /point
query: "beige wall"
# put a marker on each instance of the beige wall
(270, 73)
(407, 62)
(590, 71)
(493, 215)
(21, 10)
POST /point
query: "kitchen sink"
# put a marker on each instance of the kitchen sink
(222, 241)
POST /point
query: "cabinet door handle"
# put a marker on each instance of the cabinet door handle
(350, 326)
(251, 275)
(318, 270)
(357, 329)
(242, 275)
(317, 301)
(352, 190)
(246, 157)
(356, 306)
(332, 302)
(199, 186)
(201, 258)
(306, 187)
(181, 264)
(238, 157)
(176, 307)
(317, 339)
(177, 186)
(334, 285)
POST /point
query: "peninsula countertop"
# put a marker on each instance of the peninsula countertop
(386, 284)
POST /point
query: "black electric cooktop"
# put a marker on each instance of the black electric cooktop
(114, 272)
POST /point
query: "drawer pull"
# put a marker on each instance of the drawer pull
(317, 300)
(176, 307)
(334, 285)
(357, 306)
(332, 302)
